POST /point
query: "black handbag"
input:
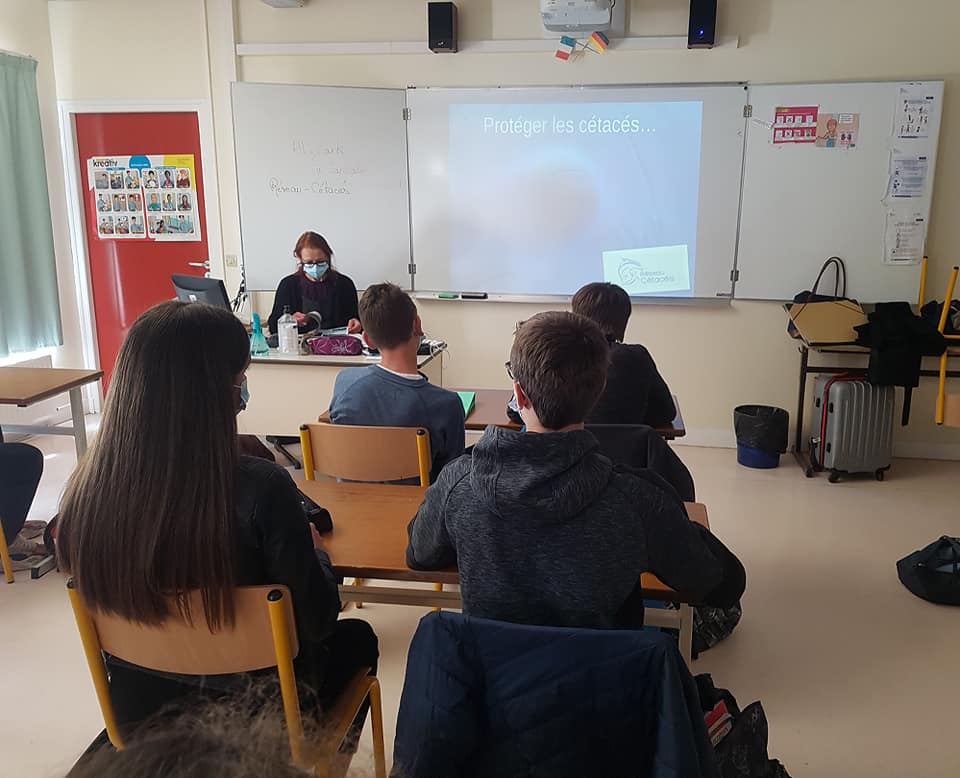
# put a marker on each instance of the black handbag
(813, 295)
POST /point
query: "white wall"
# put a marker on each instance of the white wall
(714, 358)
(25, 29)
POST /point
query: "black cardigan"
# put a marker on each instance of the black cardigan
(344, 301)
(635, 392)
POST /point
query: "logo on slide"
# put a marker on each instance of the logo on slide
(648, 271)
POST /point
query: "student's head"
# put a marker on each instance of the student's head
(608, 305)
(153, 198)
(147, 513)
(314, 255)
(389, 318)
(559, 367)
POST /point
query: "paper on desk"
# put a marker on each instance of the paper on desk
(908, 175)
(828, 321)
(904, 238)
(914, 108)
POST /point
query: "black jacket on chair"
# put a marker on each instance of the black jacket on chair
(640, 446)
(487, 698)
(898, 340)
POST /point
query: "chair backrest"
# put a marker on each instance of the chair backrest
(372, 454)
(21, 466)
(263, 635)
(637, 445)
(178, 647)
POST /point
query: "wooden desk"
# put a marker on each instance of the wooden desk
(24, 386)
(369, 540)
(490, 407)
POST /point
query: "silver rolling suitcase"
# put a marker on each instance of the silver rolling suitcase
(853, 427)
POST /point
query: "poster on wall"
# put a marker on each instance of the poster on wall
(838, 130)
(145, 196)
(795, 124)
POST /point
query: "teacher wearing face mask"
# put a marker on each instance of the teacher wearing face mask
(316, 286)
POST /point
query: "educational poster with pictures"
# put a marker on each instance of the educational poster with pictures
(838, 130)
(795, 124)
(145, 196)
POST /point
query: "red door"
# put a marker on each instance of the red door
(129, 275)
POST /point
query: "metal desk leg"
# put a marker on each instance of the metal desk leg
(686, 633)
(79, 426)
(801, 395)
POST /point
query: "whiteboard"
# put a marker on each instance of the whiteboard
(437, 225)
(802, 204)
(328, 159)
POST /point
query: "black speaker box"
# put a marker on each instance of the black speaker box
(702, 33)
(442, 27)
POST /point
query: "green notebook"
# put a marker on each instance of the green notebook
(468, 399)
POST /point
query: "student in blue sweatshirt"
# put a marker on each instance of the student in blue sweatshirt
(393, 393)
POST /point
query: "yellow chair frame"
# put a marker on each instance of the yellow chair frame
(360, 453)
(947, 405)
(178, 647)
(5, 558)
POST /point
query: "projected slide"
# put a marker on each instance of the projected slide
(548, 197)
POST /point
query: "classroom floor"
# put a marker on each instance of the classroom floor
(857, 676)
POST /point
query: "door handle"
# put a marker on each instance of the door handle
(205, 265)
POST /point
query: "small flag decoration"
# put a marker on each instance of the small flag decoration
(599, 41)
(565, 49)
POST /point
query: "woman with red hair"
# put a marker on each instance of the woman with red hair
(316, 287)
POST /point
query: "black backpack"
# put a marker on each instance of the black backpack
(933, 573)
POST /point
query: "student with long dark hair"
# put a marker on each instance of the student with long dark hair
(163, 503)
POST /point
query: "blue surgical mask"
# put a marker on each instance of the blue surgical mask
(244, 395)
(316, 270)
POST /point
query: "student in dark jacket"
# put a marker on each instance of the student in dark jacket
(635, 392)
(316, 286)
(163, 503)
(545, 529)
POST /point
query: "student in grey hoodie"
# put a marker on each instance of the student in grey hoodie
(545, 529)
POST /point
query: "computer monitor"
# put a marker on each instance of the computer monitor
(197, 289)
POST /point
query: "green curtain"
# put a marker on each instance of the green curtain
(29, 303)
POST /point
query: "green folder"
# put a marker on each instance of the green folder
(468, 399)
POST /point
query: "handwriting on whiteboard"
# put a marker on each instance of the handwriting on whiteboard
(315, 152)
(278, 187)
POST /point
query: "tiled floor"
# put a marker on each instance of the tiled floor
(857, 676)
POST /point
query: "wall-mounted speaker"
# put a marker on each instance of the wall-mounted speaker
(442, 27)
(702, 33)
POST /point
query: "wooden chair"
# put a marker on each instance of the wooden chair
(948, 405)
(263, 636)
(371, 454)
